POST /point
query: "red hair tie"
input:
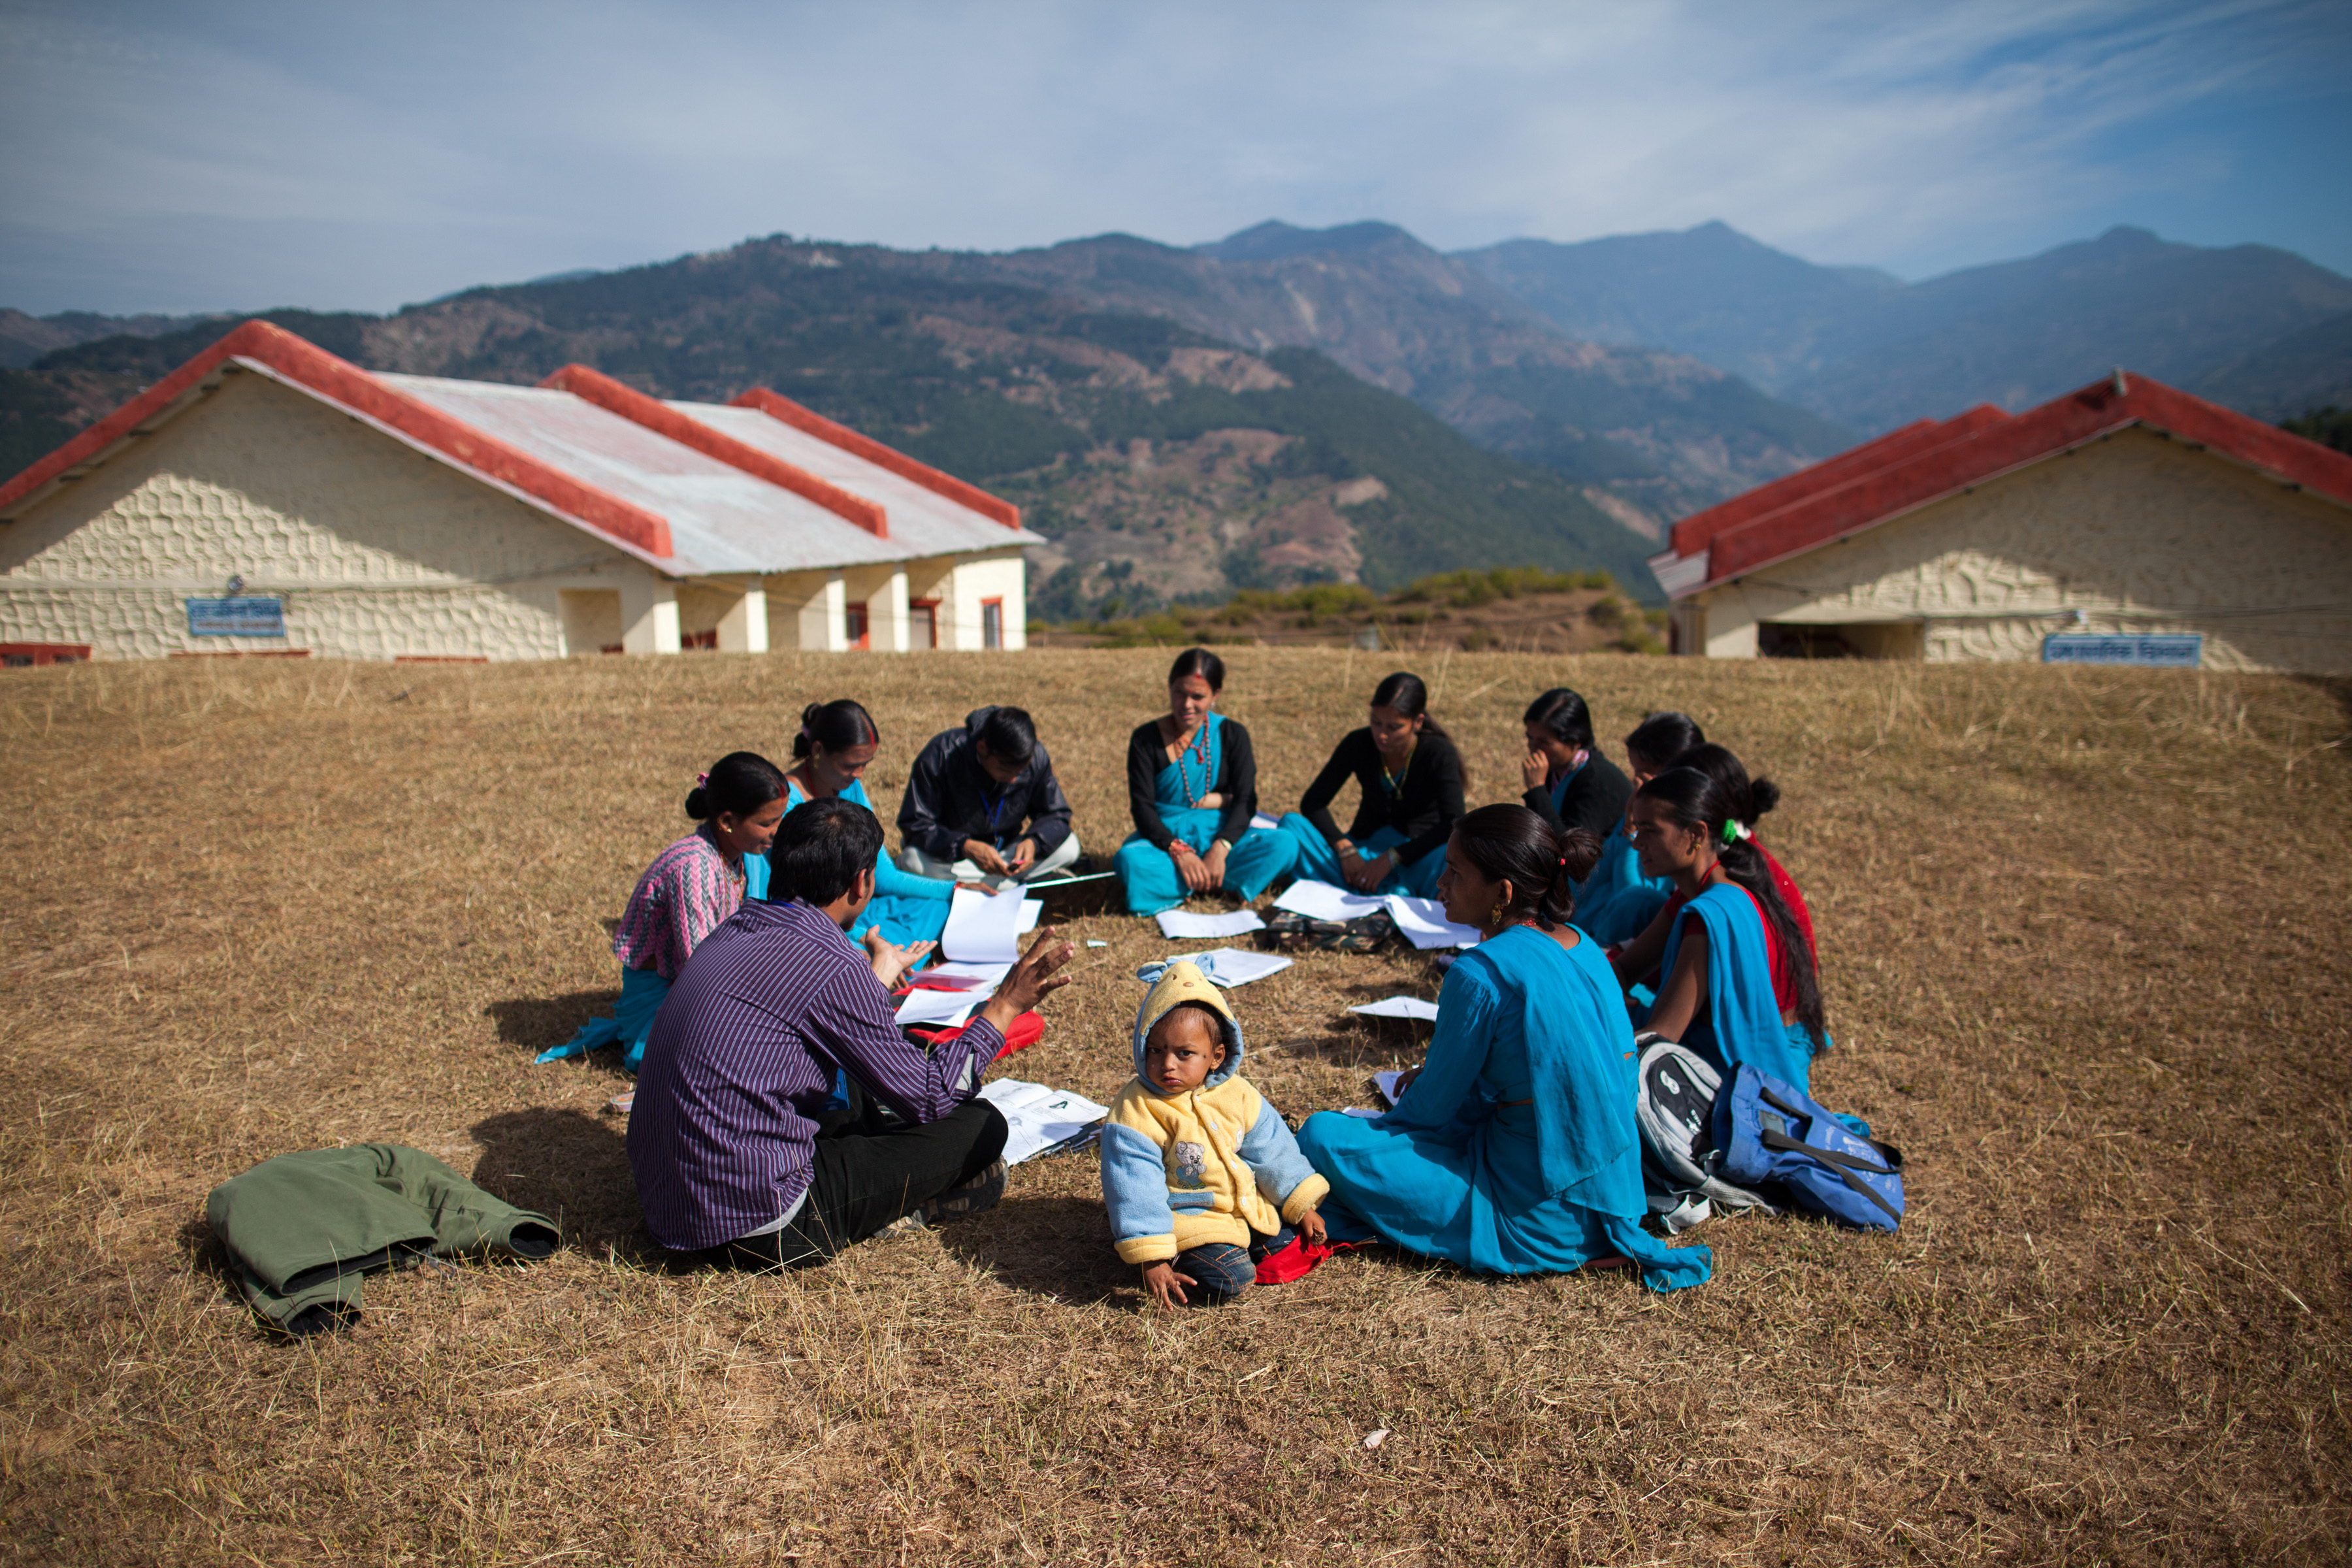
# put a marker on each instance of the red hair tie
(700, 779)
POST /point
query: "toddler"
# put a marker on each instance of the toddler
(1201, 1176)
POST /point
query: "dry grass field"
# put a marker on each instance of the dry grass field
(2085, 936)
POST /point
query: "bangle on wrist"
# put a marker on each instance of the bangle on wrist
(1221, 844)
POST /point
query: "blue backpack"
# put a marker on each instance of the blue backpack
(1770, 1133)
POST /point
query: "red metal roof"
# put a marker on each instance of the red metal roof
(654, 414)
(1906, 470)
(777, 406)
(1693, 532)
(300, 361)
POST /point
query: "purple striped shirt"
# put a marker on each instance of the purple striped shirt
(742, 1057)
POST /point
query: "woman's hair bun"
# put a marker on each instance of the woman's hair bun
(1764, 795)
(1580, 851)
(697, 802)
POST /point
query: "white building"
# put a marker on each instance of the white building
(269, 497)
(2125, 522)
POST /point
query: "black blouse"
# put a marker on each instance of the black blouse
(1595, 801)
(1424, 807)
(1236, 781)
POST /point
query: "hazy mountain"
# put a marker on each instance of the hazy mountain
(2301, 372)
(1161, 461)
(1662, 430)
(1710, 292)
(1871, 352)
(24, 338)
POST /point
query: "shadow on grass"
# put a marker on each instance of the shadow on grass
(536, 1023)
(575, 1169)
(1050, 1246)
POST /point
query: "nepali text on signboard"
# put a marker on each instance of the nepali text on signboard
(247, 616)
(2165, 652)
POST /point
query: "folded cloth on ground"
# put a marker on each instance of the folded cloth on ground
(303, 1228)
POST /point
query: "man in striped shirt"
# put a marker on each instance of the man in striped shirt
(736, 1154)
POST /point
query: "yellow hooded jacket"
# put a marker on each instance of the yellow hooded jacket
(1215, 1164)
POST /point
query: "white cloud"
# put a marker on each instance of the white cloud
(274, 152)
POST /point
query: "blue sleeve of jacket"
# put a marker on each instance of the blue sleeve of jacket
(926, 799)
(1284, 1177)
(1135, 1193)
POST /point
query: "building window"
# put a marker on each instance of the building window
(26, 655)
(922, 622)
(855, 630)
(992, 623)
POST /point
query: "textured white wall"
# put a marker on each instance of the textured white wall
(377, 549)
(998, 575)
(2139, 534)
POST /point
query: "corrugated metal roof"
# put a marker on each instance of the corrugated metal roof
(722, 521)
(928, 523)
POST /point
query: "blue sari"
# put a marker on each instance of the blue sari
(907, 908)
(1741, 1020)
(1617, 903)
(1149, 876)
(1514, 1152)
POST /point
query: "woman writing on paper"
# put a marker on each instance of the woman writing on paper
(1617, 902)
(692, 889)
(1739, 980)
(1410, 780)
(1191, 787)
(1514, 1150)
(836, 742)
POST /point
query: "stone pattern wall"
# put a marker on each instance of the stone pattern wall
(2139, 534)
(377, 549)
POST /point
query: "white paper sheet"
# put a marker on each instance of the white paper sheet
(1322, 901)
(1182, 926)
(1037, 1118)
(1423, 924)
(1031, 910)
(1263, 820)
(987, 977)
(1399, 1007)
(1231, 966)
(1386, 1082)
(983, 927)
(944, 1008)
(1364, 1111)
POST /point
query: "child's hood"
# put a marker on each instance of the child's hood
(1174, 983)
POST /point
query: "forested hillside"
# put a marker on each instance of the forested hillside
(1162, 462)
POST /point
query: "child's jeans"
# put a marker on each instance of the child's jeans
(1224, 1271)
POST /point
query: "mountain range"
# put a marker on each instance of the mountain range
(1289, 405)
(2261, 330)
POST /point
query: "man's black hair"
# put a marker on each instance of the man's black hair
(1009, 735)
(820, 849)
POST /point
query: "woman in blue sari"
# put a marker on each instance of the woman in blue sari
(1617, 902)
(1513, 1150)
(836, 742)
(1191, 787)
(1408, 787)
(1740, 985)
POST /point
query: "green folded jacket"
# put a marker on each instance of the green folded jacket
(305, 1227)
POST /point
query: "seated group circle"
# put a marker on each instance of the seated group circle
(781, 1113)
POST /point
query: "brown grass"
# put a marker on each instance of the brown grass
(2085, 936)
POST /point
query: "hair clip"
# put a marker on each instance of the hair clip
(701, 779)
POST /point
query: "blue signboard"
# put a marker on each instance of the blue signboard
(2167, 652)
(246, 616)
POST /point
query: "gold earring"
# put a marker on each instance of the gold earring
(1496, 918)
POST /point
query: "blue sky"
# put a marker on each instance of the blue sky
(189, 156)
